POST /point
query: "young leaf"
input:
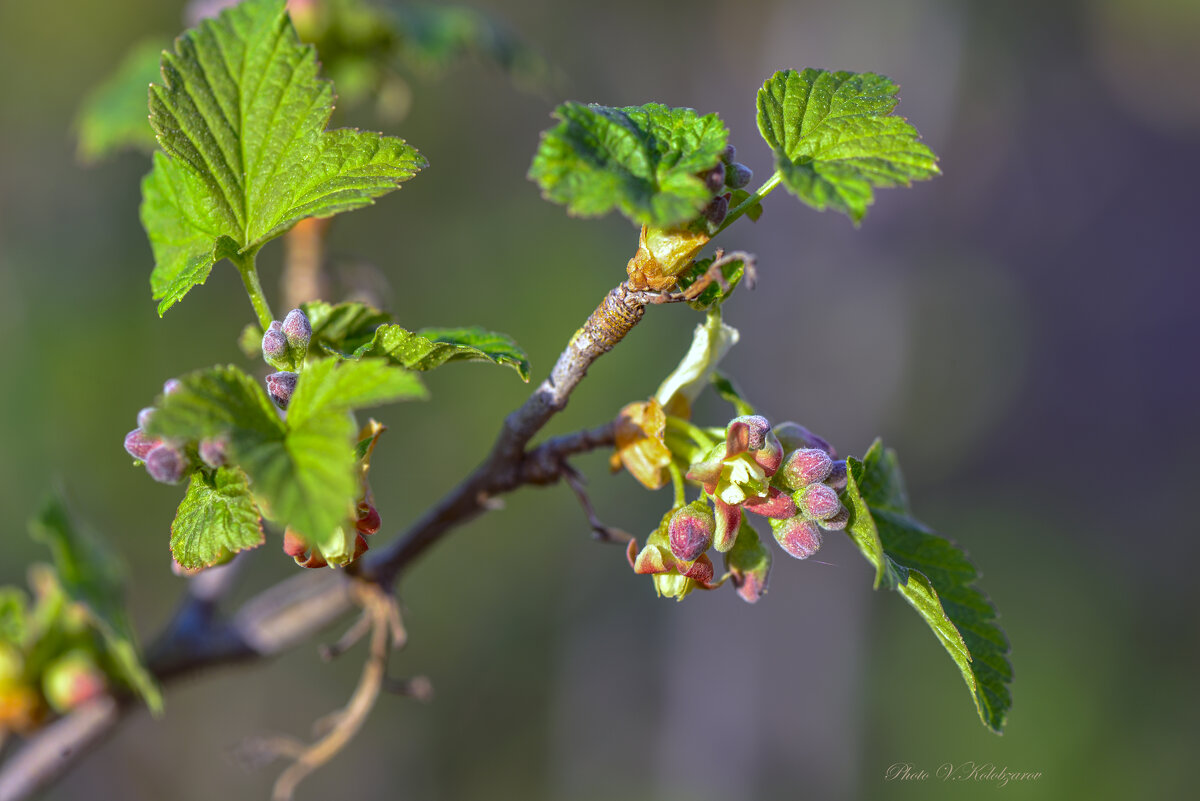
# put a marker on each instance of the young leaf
(91, 576)
(642, 160)
(724, 387)
(333, 385)
(241, 116)
(712, 294)
(215, 401)
(834, 140)
(934, 576)
(433, 347)
(343, 327)
(216, 519)
(113, 115)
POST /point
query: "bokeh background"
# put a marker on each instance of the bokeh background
(1023, 330)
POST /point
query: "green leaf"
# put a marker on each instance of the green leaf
(344, 327)
(241, 115)
(642, 160)
(724, 387)
(433, 347)
(334, 385)
(113, 115)
(934, 576)
(215, 401)
(834, 138)
(216, 519)
(13, 607)
(91, 576)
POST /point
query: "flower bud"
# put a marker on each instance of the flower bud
(799, 537)
(728, 519)
(806, 466)
(838, 521)
(714, 179)
(280, 387)
(171, 386)
(139, 444)
(777, 505)
(746, 433)
(748, 565)
(837, 475)
(368, 519)
(275, 347)
(214, 451)
(298, 331)
(72, 679)
(728, 154)
(716, 209)
(819, 501)
(165, 464)
(144, 416)
(738, 175)
(690, 531)
(793, 435)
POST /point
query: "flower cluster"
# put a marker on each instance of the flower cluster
(169, 460)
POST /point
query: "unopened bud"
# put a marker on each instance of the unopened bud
(716, 209)
(298, 330)
(165, 464)
(799, 537)
(819, 501)
(72, 679)
(748, 564)
(368, 519)
(806, 466)
(139, 445)
(714, 179)
(838, 521)
(214, 451)
(690, 531)
(274, 347)
(837, 475)
(728, 154)
(280, 387)
(746, 433)
(738, 175)
(144, 416)
(793, 436)
(776, 504)
(171, 386)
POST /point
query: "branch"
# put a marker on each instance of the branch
(295, 609)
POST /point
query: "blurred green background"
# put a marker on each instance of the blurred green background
(1022, 329)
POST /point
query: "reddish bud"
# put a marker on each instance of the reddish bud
(293, 544)
(799, 537)
(738, 175)
(806, 466)
(139, 445)
(144, 416)
(274, 346)
(746, 433)
(701, 570)
(716, 209)
(777, 505)
(280, 387)
(819, 501)
(714, 179)
(72, 679)
(214, 451)
(837, 475)
(297, 329)
(793, 436)
(171, 386)
(360, 545)
(368, 519)
(770, 455)
(729, 519)
(838, 521)
(690, 531)
(165, 464)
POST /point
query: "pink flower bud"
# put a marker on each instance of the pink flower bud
(297, 329)
(144, 416)
(214, 451)
(837, 475)
(165, 464)
(806, 466)
(368, 519)
(746, 433)
(793, 436)
(690, 531)
(171, 386)
(799, 537)
(777, 505)
(728, 518)
(770, 455)
(72, 679)
(838, 521)
(819, 501)
(280, 387)
(139, 445)
(274, 346)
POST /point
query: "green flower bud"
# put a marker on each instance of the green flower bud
(72, 679)
(748, 564)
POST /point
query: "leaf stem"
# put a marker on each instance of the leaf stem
(247, 267)
(737, 211)
(677, 483)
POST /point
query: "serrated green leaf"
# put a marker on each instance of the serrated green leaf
(218, 400)
(934, 576)
(91, 575)
(216, 519)
(344, 327)
(432, 347)
(641, 160)
(241, 114)
(113, 115)
(334, 385)
(834, 139)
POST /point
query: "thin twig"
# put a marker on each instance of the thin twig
(600, 531)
